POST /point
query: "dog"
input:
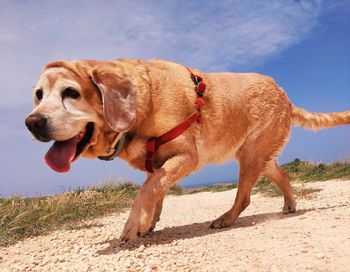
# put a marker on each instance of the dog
(85, 106)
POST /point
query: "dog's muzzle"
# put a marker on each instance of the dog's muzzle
(37, 125)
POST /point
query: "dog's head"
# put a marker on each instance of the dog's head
(81, 106)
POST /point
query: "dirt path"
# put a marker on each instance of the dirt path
(316, 238)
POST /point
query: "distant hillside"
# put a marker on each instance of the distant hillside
(303, 171)
(308, 171)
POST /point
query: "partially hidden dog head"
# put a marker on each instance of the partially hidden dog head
(80, 106)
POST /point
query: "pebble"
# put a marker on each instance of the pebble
(141, 248)
(129, 263)
(320, 255)
(308, 268)
(148, 269)
(304, 250)
(274, 268)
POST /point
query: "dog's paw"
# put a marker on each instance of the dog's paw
(132, 231)
(139, 224)
(289, 207)
(224, 221)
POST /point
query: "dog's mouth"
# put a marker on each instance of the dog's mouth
(63, 153)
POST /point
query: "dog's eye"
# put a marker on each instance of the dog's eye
(39, 94)
(70, 93)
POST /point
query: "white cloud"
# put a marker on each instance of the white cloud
(210, 35)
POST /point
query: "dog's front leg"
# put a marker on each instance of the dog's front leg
(153, 190)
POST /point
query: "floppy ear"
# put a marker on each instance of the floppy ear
(118, 99)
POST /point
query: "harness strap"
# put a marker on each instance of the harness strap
(154, 142)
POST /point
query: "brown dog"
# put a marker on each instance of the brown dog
(84, 105)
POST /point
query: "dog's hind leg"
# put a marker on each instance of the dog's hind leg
(250, 169)
(253, 156)
(280, 177)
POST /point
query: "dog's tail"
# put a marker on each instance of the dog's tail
(315, 121)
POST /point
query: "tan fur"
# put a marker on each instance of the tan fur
(246, 117)
(317, 121)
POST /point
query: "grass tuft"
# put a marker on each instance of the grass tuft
(299, 170)
(176, 190)
(307, 171)
(24, 217)
(213, 188)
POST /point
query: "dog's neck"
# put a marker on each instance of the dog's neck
(115, 147)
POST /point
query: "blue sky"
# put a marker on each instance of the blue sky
(303, 45)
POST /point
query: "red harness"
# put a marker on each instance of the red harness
(154, 142)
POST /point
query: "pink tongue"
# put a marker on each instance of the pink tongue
(61, 154)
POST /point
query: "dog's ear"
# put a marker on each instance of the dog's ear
(118, 98)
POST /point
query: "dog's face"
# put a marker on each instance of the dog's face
(81, 106)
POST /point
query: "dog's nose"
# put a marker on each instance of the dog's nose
(36, 123)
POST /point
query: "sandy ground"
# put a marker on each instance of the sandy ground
(316, 238)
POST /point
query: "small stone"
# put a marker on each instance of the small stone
(308, 267)
(274, 268)
(320, 255)
(304, 250)
(139, 255)
(129, 263)
(148, 269)
(76, 250)
(141, 248)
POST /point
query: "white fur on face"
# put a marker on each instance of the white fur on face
(67, 117)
